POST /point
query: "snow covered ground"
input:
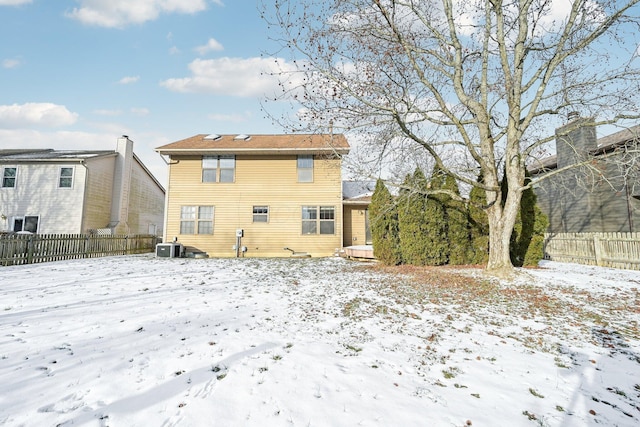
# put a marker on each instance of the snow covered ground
(140, 341)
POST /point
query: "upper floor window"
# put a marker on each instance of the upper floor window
(261, 214)
(305, 168)
(196, 219)
(9, 177)
(218, 168)
(66, 178)
(318, 220)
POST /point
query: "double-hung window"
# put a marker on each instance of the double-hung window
(218, 168)
(305, 168)
(318, 220)
(196, 219)
(205, 219)
(261, 214)
(9, 177)
(65, 180)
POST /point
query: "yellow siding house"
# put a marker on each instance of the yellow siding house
(255, 195)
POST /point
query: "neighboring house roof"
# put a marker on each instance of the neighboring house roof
(618, 139)
(258, 144)
(357, 192)
(14, 156)
(50, 155)
(605, 144)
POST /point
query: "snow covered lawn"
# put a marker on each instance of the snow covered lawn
(140, 341)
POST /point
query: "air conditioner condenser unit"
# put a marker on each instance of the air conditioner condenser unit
(169, 250)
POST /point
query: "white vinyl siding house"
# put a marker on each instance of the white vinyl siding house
(75, 192)
(37, 198)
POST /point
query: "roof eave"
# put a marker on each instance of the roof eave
(356, 203)
(256, 151)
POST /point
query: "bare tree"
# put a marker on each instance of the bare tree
(476, 84)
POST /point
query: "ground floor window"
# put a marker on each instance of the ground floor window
(318, 220)
(196, 219)
(27, 223)
(261, 214)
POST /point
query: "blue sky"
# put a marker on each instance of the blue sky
(78, 74)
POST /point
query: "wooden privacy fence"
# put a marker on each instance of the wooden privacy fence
(616, 250)
(33, 248)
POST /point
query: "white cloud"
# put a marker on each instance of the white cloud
(231, 76)
(35, 114)
(14, 2)
(140, 111)
(231, 118)
(119, 13)
(173, 50)
(129, 79)
(11, 63)
(551, 16)
(109, 113)
(212, 45)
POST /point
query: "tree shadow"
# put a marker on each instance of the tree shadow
(608, 389)
(167, 389)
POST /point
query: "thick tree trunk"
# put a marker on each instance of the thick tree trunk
(501, 223)
(499, 263)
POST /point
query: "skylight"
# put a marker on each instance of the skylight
(213, 137)
(242, 136)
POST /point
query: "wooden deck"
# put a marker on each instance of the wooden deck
(359, 252)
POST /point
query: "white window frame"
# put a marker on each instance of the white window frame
(23, 220)
(196, 219)
(61, 177)
(216, 169)
(5, 177)
(304, 166)
(313, 222)
(260, 212)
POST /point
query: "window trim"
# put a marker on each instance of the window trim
(24, 218)
(218, 169)
(5, 177)
(260, 214)
(315, 213)
(60, 177)
(301, 169)
(195, 219)
(208, 169)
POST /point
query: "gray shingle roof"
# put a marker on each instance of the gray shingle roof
(39, 155)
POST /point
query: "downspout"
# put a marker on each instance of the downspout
(84, 197)
(166, 199)
(166, 196)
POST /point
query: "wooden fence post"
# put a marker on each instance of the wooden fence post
(30, 248)
(597, 246)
